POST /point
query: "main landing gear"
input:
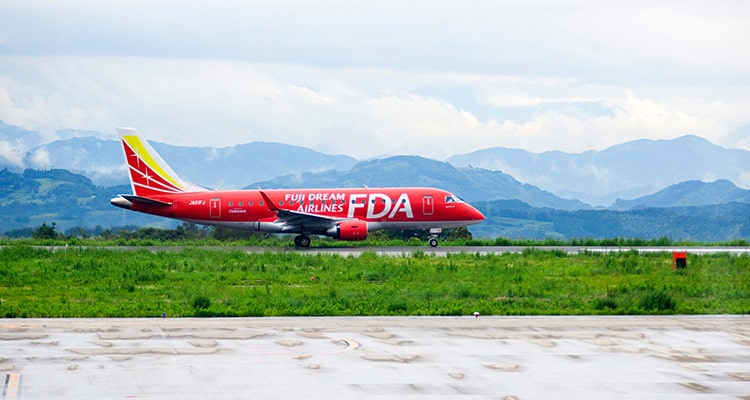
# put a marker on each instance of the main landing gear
(302, 241)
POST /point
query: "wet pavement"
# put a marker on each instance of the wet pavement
(623, 357)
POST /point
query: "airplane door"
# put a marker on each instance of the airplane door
(215, 207)
(428, 205)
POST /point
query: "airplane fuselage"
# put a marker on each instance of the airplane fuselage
(384, 208)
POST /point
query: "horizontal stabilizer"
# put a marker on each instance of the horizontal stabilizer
(145, 200)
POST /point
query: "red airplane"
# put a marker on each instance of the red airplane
(346, 214)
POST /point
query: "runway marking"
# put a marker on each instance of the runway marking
(12, 387)
(349, 344)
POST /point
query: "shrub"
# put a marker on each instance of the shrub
(658, 301)
(605, 303)
(201, 303)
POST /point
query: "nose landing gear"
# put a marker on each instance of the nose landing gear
(434, 233)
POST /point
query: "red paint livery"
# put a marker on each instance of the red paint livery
(347, 214)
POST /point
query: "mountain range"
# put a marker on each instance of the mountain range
(607, 178)
(41, 183)
(624, 171)
(472, 184)
(689, 193)
(216, 168)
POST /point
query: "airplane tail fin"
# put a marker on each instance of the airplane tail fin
(149, 174)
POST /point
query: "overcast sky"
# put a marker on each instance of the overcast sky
(433, 78)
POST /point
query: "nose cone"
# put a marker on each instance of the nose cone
(474, 215)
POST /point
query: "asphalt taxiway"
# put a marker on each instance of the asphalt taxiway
(622, 357)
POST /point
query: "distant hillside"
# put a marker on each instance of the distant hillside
(33, 197)
(221, 168)
(690, 193)
(714, 223)
(472, 184)
(625, 171)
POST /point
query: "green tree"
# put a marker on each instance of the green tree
(45, 232)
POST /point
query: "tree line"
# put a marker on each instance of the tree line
(199, 234)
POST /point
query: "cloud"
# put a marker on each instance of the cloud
(39, 159)
(622, 43)
(10, 155)
(362, 112)
(433, 78)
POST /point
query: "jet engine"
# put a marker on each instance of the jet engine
(349, 230)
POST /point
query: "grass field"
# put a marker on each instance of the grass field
(93, 282)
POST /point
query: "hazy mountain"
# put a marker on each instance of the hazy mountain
(100, 160)
(222, 168)
(469, 183)
(625, 171)
(14, 142)
(689, 193)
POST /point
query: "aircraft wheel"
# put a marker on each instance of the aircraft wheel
(302, 241)
(433, 242)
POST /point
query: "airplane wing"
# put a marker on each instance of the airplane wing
(296, 221)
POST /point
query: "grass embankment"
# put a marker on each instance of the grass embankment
(202, 282)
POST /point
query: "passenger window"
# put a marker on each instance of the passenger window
(250, 203)
(240, 204)
(230, 204)
(281, 203)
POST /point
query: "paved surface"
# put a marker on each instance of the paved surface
(440, 251)
(700, 357)
(484, 250)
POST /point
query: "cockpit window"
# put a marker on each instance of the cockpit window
(452, 198)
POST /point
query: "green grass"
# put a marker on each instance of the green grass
(36, 282)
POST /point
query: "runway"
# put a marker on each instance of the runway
(624, 357)
(443, 251)
(440, 251)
